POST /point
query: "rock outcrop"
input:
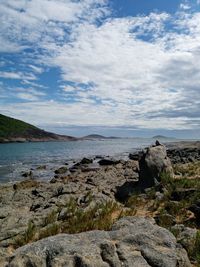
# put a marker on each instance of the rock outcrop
(133, 242)
(152, 164)
(184, 152)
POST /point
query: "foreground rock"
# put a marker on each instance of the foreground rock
(36, 201)
(153, 164)
(133, 242)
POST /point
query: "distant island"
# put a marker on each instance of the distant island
(13, 130)
(98, 136)
(162, 137)
(17, 131)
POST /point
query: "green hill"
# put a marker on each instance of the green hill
(12, 130)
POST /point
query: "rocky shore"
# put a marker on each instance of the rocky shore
(99, 194)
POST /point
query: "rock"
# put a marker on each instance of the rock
(59, 191)
(35, 206)
(195, 208)
(42, 167)
(107, 162)
(182, 193)
(86, 161)
(152, 164)
(157, 143)
(126, 190)
(166, 220)
(53, 180)
(184, 154)
(186, 236)
(133, 156)
(27, 174)
(61, 170)
(133, 242)
(159, 196)
(64, 214)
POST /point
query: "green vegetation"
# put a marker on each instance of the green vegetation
(169, 204)
(10, 127)
(196, 251)
(75, 220)
(28, 235)
(188, 170)
(172, 204)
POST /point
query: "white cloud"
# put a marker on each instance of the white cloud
(17, 75)
(35, 21)
(138, 76)
(142, 71)
(36, 69)
(27, 96)
(185, 6)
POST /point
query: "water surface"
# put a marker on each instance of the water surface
(17, 158)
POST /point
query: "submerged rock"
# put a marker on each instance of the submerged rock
(133, 242)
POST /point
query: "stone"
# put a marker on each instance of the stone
(182, 193)
(152, 164)
(186, 236)
(124, 191)
(27, 174)
(86, 161)
(132, 242)
(107, 162)
(133, 156)
(61, 170)
(165, 220)
(195, 208)
(42, 167)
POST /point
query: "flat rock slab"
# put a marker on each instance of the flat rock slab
(133, 242)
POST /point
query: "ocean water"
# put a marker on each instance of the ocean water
(17, 158)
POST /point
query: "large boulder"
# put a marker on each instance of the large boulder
(133, 242)
(152, 164)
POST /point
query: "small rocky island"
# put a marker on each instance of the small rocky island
(105, 212)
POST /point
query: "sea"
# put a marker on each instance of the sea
(42, 158)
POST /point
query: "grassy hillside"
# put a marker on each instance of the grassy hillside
(11, 129)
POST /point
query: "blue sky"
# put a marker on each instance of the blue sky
(125, 8)
(120, 67)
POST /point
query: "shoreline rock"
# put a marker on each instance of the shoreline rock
(132, 242)
(88, 184)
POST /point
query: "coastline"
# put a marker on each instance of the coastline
(44, 170)
(83, 188)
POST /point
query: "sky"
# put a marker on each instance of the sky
(118, 67)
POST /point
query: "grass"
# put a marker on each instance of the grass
(77, 219)
(194, 254)
(197, 249)
(188, 170)
(50, 218)
(168, 209)
(28, 235)
(100, 217)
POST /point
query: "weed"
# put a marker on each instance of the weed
(50, 218)
(28, 236)
(49, 230)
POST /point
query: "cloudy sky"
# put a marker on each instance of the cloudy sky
(120, 67)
